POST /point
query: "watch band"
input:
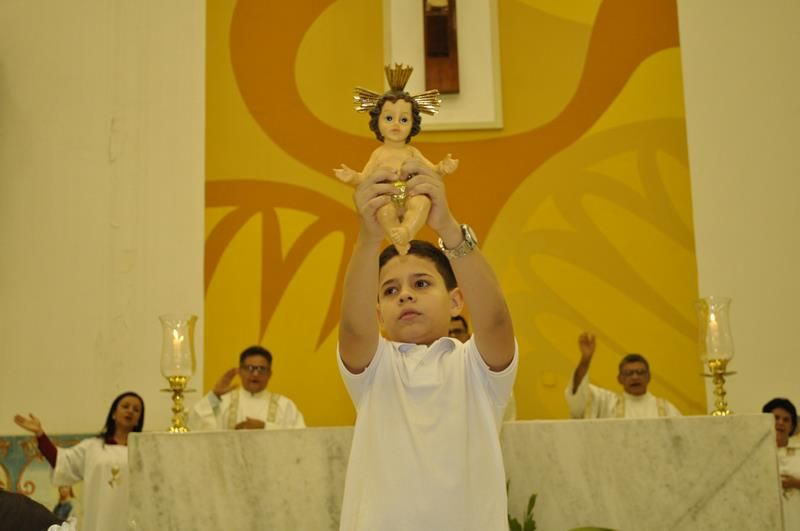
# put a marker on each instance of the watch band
(467, 245)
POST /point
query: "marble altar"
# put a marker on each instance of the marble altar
(686, 473)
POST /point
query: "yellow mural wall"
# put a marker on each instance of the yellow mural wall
(588, 221)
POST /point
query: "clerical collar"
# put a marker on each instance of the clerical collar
(254, 395)
(636, 398)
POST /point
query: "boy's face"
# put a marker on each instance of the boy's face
(414, 305)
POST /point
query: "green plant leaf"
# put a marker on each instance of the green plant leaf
(531, 503)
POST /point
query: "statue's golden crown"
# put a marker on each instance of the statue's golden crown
(428, 102)
(398, 75)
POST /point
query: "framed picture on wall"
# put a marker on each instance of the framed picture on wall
(449, 35)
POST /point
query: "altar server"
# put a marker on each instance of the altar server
(100, 462)
(426, 448)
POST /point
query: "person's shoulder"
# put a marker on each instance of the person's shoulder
(671, 406)
(386, 344)
(458, 346)
(272, 395)
(288, 402)
(89, 442)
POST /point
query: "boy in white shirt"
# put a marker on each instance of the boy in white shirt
(426, 449)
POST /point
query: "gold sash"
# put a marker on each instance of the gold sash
(233, 409)
(619, 409)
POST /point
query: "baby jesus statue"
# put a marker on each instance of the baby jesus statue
(395, 118)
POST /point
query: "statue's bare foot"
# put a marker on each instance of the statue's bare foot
(399, 237)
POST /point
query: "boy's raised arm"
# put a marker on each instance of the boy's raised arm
(358, 327)
(491, 320)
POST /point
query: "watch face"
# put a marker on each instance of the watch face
(469, 234)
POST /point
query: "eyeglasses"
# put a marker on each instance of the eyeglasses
(630, 372)
(255, 369)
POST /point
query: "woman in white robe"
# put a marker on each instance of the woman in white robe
(100, 462)
(788, 459)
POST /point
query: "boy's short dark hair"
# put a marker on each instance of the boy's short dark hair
(255, 350)
(427, 251)
(633, 358)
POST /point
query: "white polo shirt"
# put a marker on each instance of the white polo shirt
(426, 448)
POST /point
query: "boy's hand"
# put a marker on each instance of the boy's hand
(440, 219)
(374, 192)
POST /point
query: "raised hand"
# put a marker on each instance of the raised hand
(587, 344)
(370, 195)
(428, 183)
(416, 166)
(30, 423)
(225, 384)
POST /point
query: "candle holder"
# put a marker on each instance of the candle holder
(178, 363)
(718, 372)
(716, 346)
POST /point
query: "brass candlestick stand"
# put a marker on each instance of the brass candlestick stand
(716, 346)
(177, 386)
(178, 363)
(718, 372)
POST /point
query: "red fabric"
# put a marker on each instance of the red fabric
(47, 448)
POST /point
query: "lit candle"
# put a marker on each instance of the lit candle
(713, 337)
(176, 348)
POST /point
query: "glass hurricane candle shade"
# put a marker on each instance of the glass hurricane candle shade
(177, 345)
(714, 329)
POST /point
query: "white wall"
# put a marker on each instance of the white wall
(740, 60)
(101, 201)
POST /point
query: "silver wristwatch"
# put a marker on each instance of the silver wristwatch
(466, 246)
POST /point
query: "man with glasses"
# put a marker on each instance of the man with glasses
(591, 402)
(249, 407)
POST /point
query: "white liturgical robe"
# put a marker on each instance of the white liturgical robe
(789, 464)
(103, 468)
(592, 402)
(276, 411)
